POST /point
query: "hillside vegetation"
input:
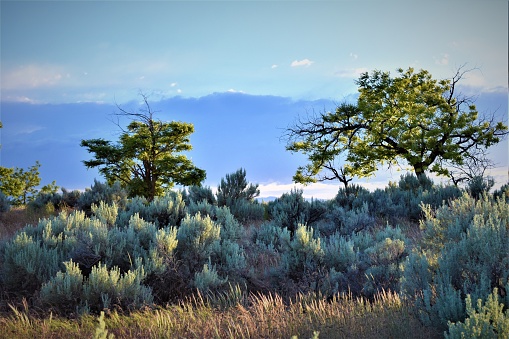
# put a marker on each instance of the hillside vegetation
(414, 257)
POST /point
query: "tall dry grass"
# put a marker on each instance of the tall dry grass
(255, 316)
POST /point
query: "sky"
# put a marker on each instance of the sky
(240, 71)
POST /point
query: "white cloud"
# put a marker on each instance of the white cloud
(303, 62)
(33, 76)
(179, 91)
(24, 99)
(350, 72)
(354, 56)
(443, 60)
(30, 129)
(316, 190)
(173, 84)
(274, 66)
(232, 90)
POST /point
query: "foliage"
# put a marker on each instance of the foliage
(5, 204)
(484, 321)
(127, 254)
(148, 157)
(100, 331)
(397, 201)
(465, 250)
(198, 237)
(304, 257)
(291, 209)
(238, 195)
(107, 193)
(165, 210)
(502, 192)
(27, 264)
(198, 194)
(208, 279)
(410, 117)
(103, 289)
(478, 185)
(35, 255)
(19, 184)
(235, 187)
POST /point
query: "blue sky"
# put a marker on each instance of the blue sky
(240, 71)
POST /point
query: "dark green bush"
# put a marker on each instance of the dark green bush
(5, 204)
(198, 194)
(479, 185)
(238, 195)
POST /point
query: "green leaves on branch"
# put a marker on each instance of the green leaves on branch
(412, 118)
(20, 184)
(147, 159)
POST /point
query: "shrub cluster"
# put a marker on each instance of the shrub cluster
(114, 252)
(464, 252)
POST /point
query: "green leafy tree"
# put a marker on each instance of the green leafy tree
(148, 157)
(410, 117)
(20, 184)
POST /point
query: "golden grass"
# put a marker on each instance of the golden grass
(259, 316)
(16, 218)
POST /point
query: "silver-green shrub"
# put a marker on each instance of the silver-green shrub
(246, 211)
(365, 262)
(208, 280)
(105, 213)
(384, 260)
(109, 288)
(289, 210)
(27, 263)
(198, 238)
(235, 187)
(35, 255)
(465, 250)
(203, 207)
(103, 289)
(302, 261)
(102, 192)
(64, 291)
(166, 210)
(502, 192)
(486, 320)
(272, 236)
(163, 211)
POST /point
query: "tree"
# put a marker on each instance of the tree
(148, 156)
(235, 188)
(20, 184)
(410, 117)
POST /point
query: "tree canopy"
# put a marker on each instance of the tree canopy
(20, 184)
(410, 117)
(148, 157)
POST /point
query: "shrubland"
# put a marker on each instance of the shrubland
(415, 256)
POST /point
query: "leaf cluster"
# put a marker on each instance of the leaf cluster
(411, 117)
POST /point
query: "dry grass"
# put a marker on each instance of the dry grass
(15, 219)
(259, 316)
(20, 216)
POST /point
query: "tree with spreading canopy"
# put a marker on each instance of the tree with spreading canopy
(410, 117)
(20, 184)
(148, 157)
